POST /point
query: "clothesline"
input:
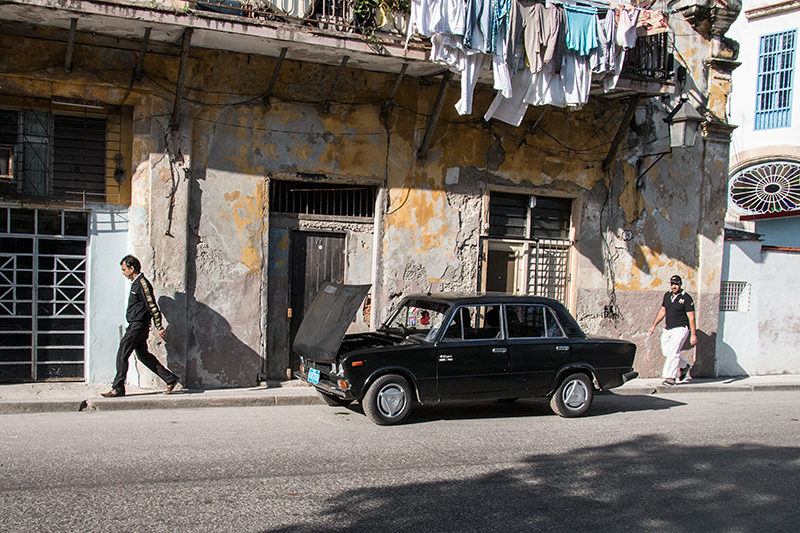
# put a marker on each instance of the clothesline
(540, 52)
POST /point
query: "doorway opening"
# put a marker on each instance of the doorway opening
(527, 249)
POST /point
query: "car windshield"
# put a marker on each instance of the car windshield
(418, 317)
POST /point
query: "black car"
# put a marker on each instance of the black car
(439, 347)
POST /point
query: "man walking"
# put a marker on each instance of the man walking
(142, 308)
(678, 308)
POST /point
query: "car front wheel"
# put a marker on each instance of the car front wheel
(388, 400)
(573, 397)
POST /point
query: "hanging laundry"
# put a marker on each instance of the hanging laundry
(603, 59)
(581, 28)
(511, 110)
(448, 50)
(478, 25)
(544, 33)
(651, 22)
(627, 17)
(500, 11)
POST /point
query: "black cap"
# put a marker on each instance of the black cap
(675, 280)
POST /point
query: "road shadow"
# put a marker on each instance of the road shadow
(603, 404)
(644, 484)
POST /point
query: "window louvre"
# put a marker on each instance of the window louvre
(775, 72)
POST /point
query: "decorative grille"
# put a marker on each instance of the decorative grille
(734, 296)
(775, 72)
(767, 188)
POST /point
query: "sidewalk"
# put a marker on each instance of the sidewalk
(61, 396)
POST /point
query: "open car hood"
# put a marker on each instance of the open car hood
(327, 319)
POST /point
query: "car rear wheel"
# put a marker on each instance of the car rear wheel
(388, 400)
(333, 401)
(573, 397)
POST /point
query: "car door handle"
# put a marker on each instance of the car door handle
(499, 350)
(562, 348)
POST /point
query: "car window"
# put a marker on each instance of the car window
(553, 327)
(532, 321)
(475, 322)
(418, 317)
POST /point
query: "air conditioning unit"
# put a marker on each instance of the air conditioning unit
(6, 162)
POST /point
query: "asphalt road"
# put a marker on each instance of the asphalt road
(687, 462)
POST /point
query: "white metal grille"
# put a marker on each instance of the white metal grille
(549, 268)
(42, 294)
(734, 296)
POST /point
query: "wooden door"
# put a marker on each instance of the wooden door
(316, 257)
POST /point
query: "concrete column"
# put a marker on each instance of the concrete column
(158, 237)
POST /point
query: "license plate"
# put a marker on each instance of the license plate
(313, 375)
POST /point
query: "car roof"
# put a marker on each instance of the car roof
(489, 297)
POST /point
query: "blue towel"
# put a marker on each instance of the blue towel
(581, 28)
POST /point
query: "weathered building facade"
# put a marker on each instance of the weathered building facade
(247, 159)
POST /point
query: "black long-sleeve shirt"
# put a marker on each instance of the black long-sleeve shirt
(142, 304)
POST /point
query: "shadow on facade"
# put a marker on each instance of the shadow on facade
(206, 353)
(649, 483)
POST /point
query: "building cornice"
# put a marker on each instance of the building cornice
(772, 9)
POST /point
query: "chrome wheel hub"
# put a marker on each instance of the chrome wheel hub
(391, 400)
(575, 394)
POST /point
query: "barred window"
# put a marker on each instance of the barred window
(775, 72)
(734, 296)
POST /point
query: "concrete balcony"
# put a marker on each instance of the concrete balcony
(316, 31)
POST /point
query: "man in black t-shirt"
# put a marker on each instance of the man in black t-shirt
(678, 308)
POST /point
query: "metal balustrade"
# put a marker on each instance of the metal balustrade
(649, 59)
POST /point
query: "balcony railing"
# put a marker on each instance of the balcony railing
(337, 15)
(649, 59)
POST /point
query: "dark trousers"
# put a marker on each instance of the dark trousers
(135, 339)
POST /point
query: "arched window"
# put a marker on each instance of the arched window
(767, 187)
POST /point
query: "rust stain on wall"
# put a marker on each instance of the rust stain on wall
(246, 211)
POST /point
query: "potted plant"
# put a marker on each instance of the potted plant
(386, 15)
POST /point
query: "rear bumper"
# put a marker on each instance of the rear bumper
(629, 376)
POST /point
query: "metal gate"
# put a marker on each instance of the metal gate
(42, 294)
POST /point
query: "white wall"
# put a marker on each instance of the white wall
(765, 339)
(737, 334)
(743, 97)
(107, 292)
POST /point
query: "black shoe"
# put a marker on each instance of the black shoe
(685, 372)
(113, 393)
(669, 382)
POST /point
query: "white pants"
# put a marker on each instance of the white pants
(671, 342)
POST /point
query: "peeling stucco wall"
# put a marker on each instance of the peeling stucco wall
(200, 222)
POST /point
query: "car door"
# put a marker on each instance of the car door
(537, 347)
(473, 353)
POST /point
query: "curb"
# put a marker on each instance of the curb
(664, 389)
(14, 407)
(133, 403)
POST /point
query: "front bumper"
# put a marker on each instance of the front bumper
(327, 384)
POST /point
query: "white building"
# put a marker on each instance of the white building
(760, 297)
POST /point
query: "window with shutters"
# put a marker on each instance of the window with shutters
(49, 154)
